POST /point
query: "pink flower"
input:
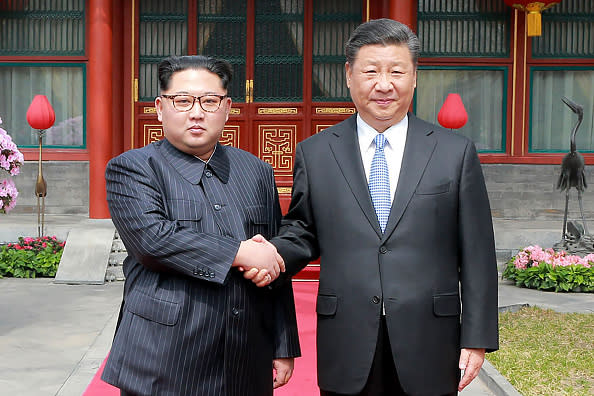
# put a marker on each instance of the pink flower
(11, 160)
(521, 261)
(8, 195)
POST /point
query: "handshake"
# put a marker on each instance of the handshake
(259, 261)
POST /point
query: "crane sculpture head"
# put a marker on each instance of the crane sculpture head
(579, 110)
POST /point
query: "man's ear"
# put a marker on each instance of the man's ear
(159, 107)
(348, 73)
(228, 103)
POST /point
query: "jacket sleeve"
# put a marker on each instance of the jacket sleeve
(297, 241)
(138, 211)
(286, 337)
(478, 268)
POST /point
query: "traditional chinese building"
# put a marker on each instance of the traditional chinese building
(96, 61)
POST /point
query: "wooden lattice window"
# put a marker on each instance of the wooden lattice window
(461, 28)
(33, 28)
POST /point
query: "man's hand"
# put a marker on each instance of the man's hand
(471, 361)
(284, 371)
(260, 261)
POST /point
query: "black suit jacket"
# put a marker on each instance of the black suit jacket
(435, 259)
(191, 324)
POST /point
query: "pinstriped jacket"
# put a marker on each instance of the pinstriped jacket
(191, 325)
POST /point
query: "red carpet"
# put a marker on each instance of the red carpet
(304, 381)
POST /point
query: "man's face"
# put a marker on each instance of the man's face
(195, 132)
(382, 81)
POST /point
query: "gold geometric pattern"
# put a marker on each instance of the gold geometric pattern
(321, 127)
(230, 136)
(277, 110)
(277, 145)
(335, 110)
(152, 133)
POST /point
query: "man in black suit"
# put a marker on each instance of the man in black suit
(397, 211)
(185, 208)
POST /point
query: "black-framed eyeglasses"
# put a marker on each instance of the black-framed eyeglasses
(184, 102)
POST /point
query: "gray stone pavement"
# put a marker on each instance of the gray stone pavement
(53, 337)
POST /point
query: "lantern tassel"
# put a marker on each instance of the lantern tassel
(534, 21)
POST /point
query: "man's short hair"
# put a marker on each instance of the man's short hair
(384, 32)
(173, 64)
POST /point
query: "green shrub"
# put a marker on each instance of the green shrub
(546, 269)
(31, 257)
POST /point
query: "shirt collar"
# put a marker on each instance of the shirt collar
(192, 168)
(367, 133)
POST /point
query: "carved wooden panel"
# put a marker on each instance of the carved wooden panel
(152, 133)
(277, 147)
(230, 136)
(321, 127)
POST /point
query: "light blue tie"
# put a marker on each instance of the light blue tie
(379, 182)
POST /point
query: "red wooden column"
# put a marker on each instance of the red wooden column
(404, 11)
(99, 103)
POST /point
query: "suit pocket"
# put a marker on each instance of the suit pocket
(326, 305)
(433, 189)
(153, 309)
(257, 214)
(257, 217)
(186, 213)
(185, 210)
(446, 304)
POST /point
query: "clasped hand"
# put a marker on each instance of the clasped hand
(259, 261)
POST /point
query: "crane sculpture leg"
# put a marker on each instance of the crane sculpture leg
(586, 232)
(564, 230)
(582, 213)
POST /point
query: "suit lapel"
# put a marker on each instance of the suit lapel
(346, 151)
(417, 153)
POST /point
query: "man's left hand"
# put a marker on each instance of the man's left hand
(284, 371)
(471, 361)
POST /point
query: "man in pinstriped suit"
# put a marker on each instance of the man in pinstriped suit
(185, 208)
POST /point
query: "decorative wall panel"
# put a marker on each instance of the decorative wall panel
(321, 127)
(152, 133)
(230, 136)
(277, 146)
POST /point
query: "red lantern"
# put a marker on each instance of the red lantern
(452, 113)
(533, 8)
(40, 114)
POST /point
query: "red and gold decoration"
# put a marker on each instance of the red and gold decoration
(534, 9)
(452, 113)
(40, 116)
(277, 147)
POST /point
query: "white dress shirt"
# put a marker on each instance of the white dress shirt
(394, 148)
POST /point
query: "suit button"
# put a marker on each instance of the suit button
(235, 311)
(375, 300)
(217, 207)
(200, 273)
(383, 250)
(208, 173)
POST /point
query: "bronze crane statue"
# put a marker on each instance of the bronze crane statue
(572, 168)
